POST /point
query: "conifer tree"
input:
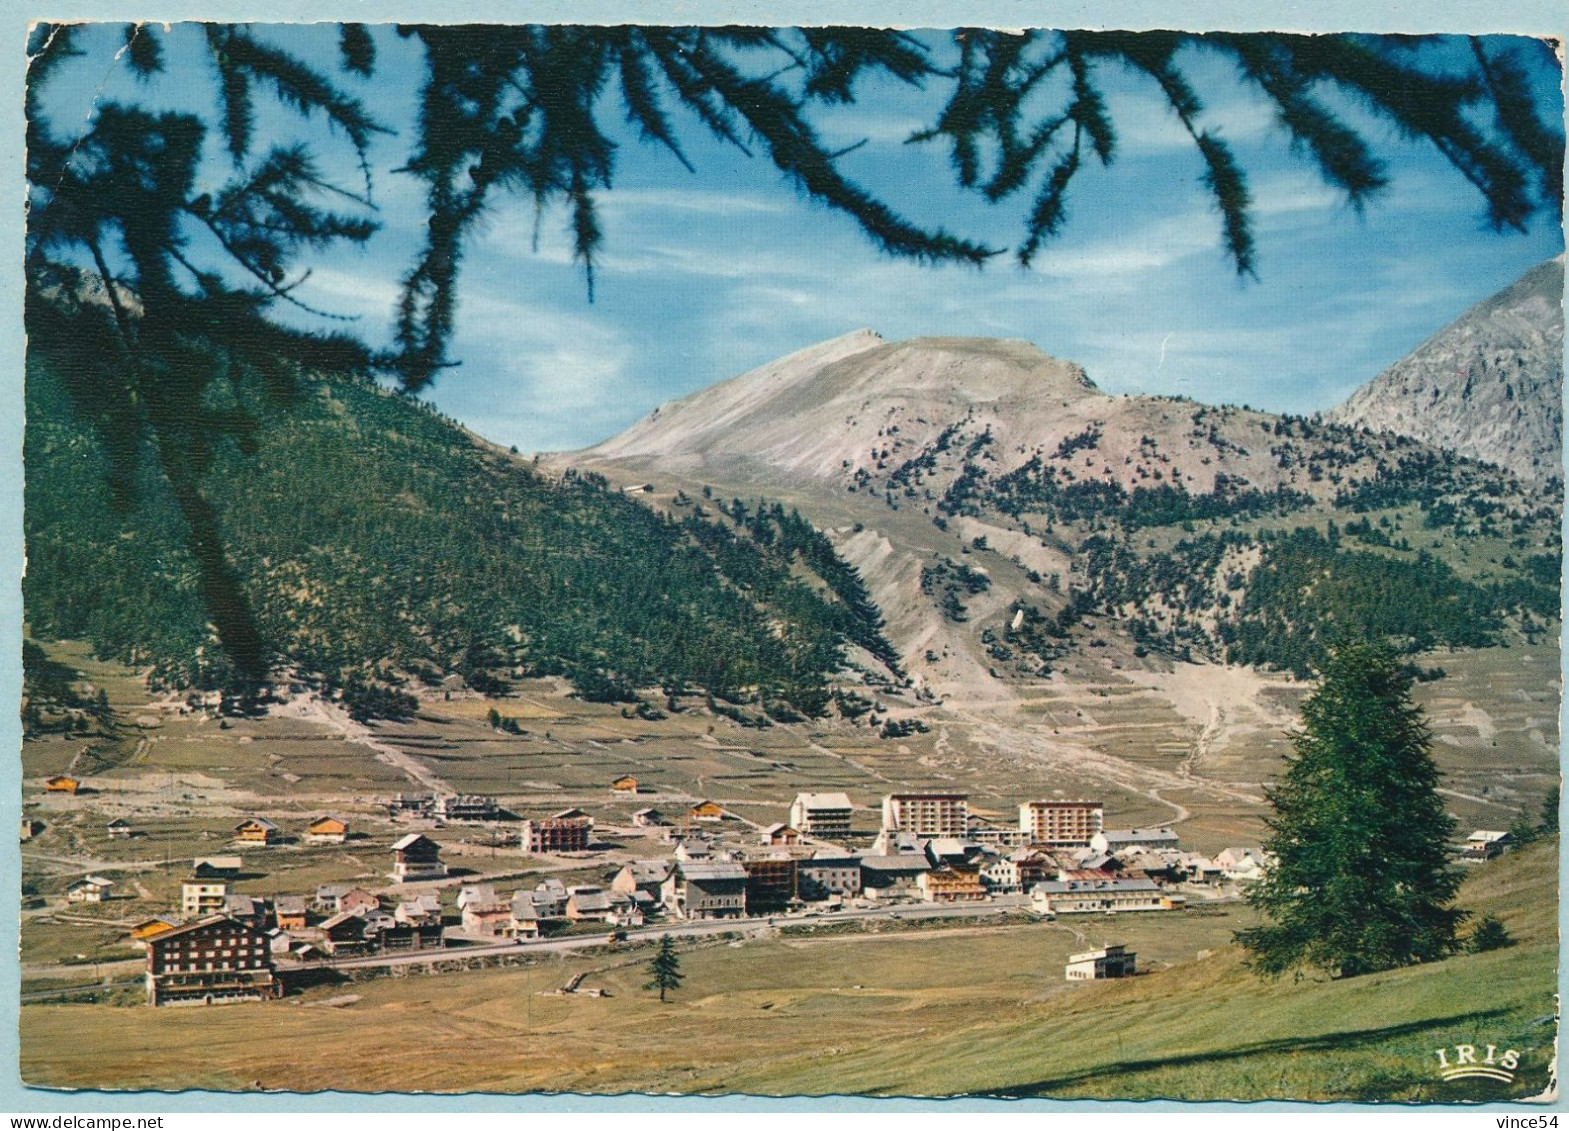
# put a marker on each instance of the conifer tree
(1361, 878)
(664, 969)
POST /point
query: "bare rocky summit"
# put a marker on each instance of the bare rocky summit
(1488, 386)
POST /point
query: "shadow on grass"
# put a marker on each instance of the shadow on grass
(1328, 1042)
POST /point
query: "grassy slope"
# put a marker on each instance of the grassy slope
(1212, 1031)
(943, 1012)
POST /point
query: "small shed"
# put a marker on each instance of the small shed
(61, 783)
(1109, 962)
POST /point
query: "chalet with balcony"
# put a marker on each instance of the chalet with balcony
(289, 912)
(949, 884)
(327, 830)
(416, 857)
(825, 815)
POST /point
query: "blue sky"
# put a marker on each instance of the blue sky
(705, 276)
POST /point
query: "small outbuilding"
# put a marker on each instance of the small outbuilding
(1108, 962)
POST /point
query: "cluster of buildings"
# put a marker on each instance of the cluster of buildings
(261, 832)
(1060, 859)
(446, 807)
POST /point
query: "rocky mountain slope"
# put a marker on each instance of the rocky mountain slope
(1489, 385)
(1012, 521)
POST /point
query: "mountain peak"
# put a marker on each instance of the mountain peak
(1489, 385)
(822, 408)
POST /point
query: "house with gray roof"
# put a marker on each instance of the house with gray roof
(706, 889)
(1062, 897)
(1120, 840)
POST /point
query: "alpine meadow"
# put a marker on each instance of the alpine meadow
(794, 561)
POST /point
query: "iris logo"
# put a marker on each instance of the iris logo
(1461, 1063)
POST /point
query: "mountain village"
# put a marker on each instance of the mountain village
(1072, 636)
(700, 865)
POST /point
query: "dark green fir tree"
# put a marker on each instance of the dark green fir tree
(664, 969)
(1361, 879)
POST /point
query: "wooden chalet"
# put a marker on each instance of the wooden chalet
(257, 830)
(62, 783)
(417, 857)
(289, 912)
(152, 928)
(626, 783)
(588, 903)
(89, 889)
(119, 827)
(217, 866)
(216, 959)
(709, 812)
(947, 884)
(344, 934)
(649, 819)
(781, 835)
(327, 830)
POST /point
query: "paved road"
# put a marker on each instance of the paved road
(78, 991)
(696, 929)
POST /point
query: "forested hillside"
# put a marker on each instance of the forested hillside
(371, 540)
(1004, 509)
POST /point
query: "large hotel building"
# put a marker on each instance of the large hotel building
(927, 814)
(1061, 824)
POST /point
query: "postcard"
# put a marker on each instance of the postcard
(790, 561)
